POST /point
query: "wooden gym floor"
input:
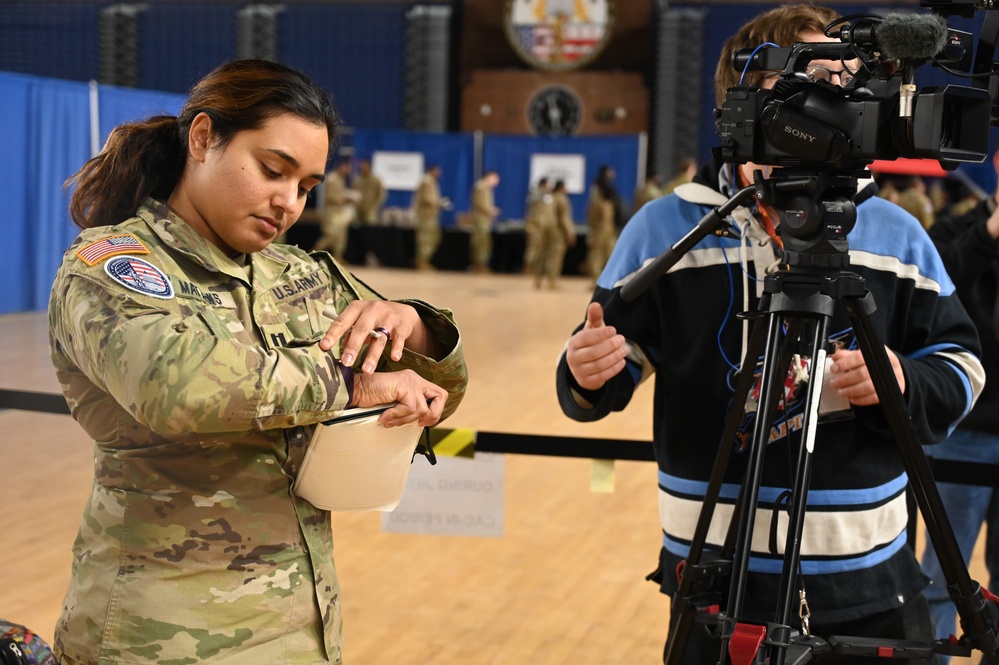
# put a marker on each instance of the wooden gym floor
(563, 585)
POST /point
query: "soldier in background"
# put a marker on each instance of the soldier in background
(601, 220)
(650, 190)
(371, 193)
(532, 236)
(557, 233)
(338, 211)
(484, 211)
(686, 167)
(913, 198)
(427, 206)
(208, 358)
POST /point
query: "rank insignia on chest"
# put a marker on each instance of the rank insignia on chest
(138, 275)
(101, 249)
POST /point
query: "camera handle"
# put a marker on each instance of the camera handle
(804, 303)
(710, 223)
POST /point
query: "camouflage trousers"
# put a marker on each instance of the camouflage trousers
(428, 239)
(335, 227)
(599, 248)
(532, 241)
(481, 243)
(550, 253)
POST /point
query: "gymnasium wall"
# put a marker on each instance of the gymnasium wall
(355, 50)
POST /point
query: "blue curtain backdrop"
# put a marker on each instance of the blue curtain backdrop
(47, 138)
(454, 153)
(510, 156)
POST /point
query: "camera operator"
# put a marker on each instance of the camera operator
(969, 247)
(857, 573)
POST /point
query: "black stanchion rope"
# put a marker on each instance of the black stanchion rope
(948, 471)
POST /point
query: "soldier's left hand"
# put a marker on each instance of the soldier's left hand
(377, 323)
(853, 380)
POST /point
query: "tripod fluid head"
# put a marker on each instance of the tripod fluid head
(817, 210)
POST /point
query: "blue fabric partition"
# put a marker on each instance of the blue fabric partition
(14, 259)
(454, 153)
(47, 138)
(510, 156)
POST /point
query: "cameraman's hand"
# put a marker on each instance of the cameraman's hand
(853, 381)
(417, 400)
(596, 353)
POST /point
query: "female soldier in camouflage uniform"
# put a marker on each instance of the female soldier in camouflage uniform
(199, 357)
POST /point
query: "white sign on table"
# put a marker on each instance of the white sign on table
(555, 167)
(398, 170)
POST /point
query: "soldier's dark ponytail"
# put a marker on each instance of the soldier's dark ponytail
(147, 158)
(140, 159)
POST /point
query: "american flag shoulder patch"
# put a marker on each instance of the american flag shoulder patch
(140, 276)
(101, 249)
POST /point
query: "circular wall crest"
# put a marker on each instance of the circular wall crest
(555, 111)
(558, 35)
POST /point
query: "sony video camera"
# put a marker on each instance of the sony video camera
(807, 123)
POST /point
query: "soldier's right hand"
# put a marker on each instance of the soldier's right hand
(596, 353)
(416, 399)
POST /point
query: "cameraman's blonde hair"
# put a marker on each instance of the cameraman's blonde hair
(781, 26)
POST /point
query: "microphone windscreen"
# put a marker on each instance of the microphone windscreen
(904, 36)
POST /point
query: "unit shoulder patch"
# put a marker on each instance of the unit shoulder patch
(97, 251)
(140, 276)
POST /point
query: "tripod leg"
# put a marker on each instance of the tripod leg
(799, 495)
(682, 611)
(771, 389)
(976, 611)
(792, 331)
(741, 642)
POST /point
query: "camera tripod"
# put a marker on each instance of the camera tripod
(798, 302)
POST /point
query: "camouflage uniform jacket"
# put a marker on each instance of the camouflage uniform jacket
(373, 196)
(483, 203)
(427, 200)
(335, 197)
(199, 380)
(563, 214)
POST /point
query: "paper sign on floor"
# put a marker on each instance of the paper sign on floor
(457, 497)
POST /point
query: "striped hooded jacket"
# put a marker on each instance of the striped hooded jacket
(684, 335)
